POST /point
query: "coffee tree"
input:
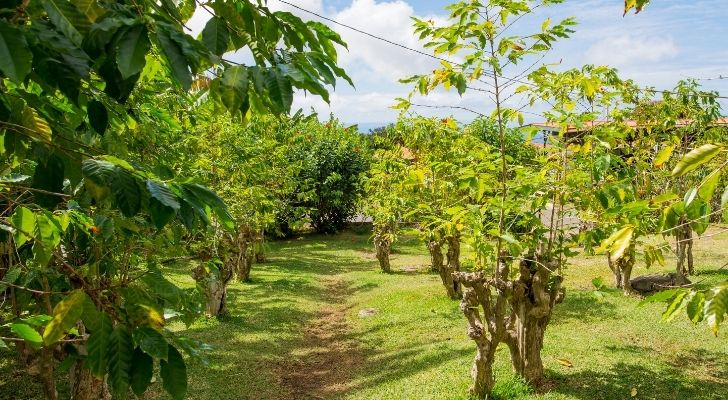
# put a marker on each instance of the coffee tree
(87, 219)
(504, 225)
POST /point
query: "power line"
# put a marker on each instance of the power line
(400, 45)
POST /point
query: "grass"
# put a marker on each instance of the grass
(415, 347)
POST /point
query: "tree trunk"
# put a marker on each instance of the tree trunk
(85, 386)
(622, 269)
(436, 258)
(483, 329)
(453, 265)
(383, 247)
(215, 286)
(46, 373)
(684, 237)
(259, 246)
(532, 301)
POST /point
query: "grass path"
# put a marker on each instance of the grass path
(294, 333)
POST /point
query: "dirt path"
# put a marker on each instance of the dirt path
(323, 366)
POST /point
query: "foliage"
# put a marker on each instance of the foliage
(86, 88)
(330, 161)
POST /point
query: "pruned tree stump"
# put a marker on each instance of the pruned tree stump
(649, 284)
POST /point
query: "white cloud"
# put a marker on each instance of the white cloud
(629, 51)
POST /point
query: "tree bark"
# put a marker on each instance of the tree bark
(532, 303)
(453, 265)
(258, 246)
(383, 246)
(215, 286)
(85, 386)
(684, 237)
(436, 257)
(622, 269)
(483, 329)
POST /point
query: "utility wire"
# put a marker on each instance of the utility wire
(400, 45)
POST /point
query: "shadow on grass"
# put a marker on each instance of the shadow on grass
(672, 382)
(583, 306)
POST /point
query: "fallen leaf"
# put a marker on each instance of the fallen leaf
(633, 392)
(565, 362)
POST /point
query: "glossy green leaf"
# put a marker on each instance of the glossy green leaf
(98, 117)
(174, 374)
(716, 307)
(100, 327)
(67, 19)
(27, 333)
(15, 55)
(696, 158)
(163, 194)
(151, 342)
(708, 186)
(280, 90)
(23, 221)
(119, 356)
(175, 59)
(65, 315)
(216, 36)
(132, 51)
(126, 192)
(142, 368)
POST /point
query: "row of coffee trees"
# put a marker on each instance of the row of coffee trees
(127, 145)
(627, 172)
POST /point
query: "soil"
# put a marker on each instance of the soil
(329, 355)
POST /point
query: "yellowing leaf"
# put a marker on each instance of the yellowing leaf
(565, 362)
(65, 315)
(696, 158)
(633, 392)
(663, 155)
(618, 243)
(37, 127)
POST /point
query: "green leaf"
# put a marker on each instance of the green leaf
(67, 19)
(98, 171)
(126, 192)
(151, 342)
(163, 194)
(175, 59)
(216, 36)
(65, 315)
(15, 55)
(119, 356)
(280, 90)
(696, 158)
(98, 116)
(659, 297)
(48, 177)
(100, 327)
(695, 307)
(724, 204)
(174, 374)
(23, 221)
(209, 198)
(132, 51)
(716, 307)
(89, 8)
(677, 304)
(234, 87)
(142, 367)
(27, 333)
(708, 186)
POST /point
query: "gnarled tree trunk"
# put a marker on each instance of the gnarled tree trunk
(214, 280)
(532, 303)
(259, 246)
(622, 269)
(437, 259)
(453, 265)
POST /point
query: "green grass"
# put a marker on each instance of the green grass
(415, 346)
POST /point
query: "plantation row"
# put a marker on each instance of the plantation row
(128, 144)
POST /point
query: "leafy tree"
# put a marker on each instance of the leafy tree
(331, 162)
(500, 307)
(87, 218)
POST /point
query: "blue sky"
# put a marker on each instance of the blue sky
(669, 41)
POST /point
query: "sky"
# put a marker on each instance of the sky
(669, 41)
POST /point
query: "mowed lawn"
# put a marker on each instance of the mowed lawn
(295, 332)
